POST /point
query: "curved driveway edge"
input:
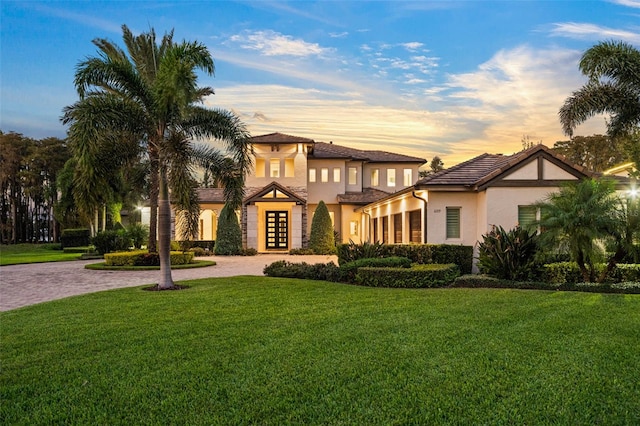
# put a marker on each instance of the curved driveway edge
(23, 285)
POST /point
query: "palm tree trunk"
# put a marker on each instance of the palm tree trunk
(164, 233)
(153, 200)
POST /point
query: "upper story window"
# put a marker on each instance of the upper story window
(391, 177)
(353, 176)
(312, 175)
(453, 222)
(336, 174)
(324, 174)
(289, 167)
(375, 177)
(407, 177)
(274, 168)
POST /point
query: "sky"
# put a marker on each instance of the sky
(452, 79)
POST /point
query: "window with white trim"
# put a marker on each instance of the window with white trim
(375, 177)
(336, 174)
(353, 176)
(453, 222)
(312, 175)
(324, 174)
(391, 177)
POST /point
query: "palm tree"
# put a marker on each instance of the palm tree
(580, 218)
(613, 69)
(150, 97)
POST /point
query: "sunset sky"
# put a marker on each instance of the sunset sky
(453, 79)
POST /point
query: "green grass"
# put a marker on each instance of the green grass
(273, 351)
(32, 253)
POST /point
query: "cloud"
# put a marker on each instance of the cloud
(586, 31)
(628, 3)
(83, 19)
(412, 46)
(271, 43)
(339, 35)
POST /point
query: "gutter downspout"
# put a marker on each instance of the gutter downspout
(424, 218)
(368, 225)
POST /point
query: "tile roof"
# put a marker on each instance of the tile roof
(479, 170)
(280, 138)
(210, 195)
(368, 195)
(323, 150)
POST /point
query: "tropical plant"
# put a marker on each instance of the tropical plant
(149, 98)
(581, 218)
(322, 239)
(228, 235)
(509, 254)
(613, 88)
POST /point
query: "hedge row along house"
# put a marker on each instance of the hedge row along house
(377, 196)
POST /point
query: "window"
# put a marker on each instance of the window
(375, 177)
(353, 227)
(453, 222)
(397, 228)
(260, 168)
(274, 168)
(415, 232)
(374, 227)
(407, 177)
(385, 229)
(324, 174)
(391, 177)
(336, 174)
(353, 176)
(289, 168)
(312, 175)
(527, 216)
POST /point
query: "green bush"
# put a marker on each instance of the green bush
(350, 269)
(418, 276)
(568, 272)
(322, 239)
(509, 254)
(144, 258)
(301, 252)
(484, 281)
(79, 237)
(111, 241)
(199, 251)
(139, 234)
(204, 244)
(352, 251)
(303, 270)
(229, 235)
(249, 252)
(458, 254)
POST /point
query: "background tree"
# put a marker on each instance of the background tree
(435, 166)
(580, 219)
(229, 234)
(322, 239)
(613, 88)
(150, 97)
(597, 153)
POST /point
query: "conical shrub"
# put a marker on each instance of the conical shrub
(322, 239)
(229, 235)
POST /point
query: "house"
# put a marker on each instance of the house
(292, 175)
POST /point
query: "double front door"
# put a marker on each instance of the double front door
(277, 230)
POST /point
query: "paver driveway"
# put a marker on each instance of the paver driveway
(23, 285)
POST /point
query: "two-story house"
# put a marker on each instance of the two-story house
(293, 174)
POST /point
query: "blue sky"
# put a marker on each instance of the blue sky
(453, 79)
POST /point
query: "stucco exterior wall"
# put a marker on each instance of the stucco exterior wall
(437, 217)
(282, 153)
(383, 172)
(325, 191)
(502, 205)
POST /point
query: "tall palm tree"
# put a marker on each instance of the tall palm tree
(151, 95)
(613, 69)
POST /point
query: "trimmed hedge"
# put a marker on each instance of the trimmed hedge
(484, 281)
(418, 276)
(144, 258)
(418, 253)
(568, 272)
(78, 237)
(319, 271)
(350, 269)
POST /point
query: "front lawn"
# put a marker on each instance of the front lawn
(272, 351)
(14, 254)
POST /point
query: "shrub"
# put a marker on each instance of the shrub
(485, 281)
(352, 251)
(199, 251)
(568, 272)
(322, 239)
(139, 234)
(301, 252)
(303, 270)
(204, 244)
(350, 269)
(509, 254)
(249, 252)
(110, 241)
(77, 237)
(229, 235)
(418, 276)
(144, 258)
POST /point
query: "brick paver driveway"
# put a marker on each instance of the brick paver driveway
(23, 285)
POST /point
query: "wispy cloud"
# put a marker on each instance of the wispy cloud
(628, 3)
(339, 35)
(272, 43)
(587, 31)
(412, 46)
(79, 18)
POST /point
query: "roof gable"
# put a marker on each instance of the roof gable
(273, 138)
(532, 167)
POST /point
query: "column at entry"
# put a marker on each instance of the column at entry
(277, 229)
